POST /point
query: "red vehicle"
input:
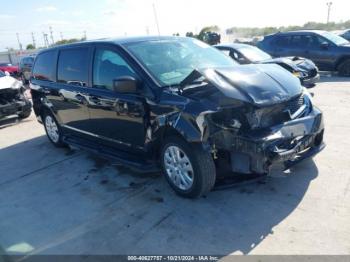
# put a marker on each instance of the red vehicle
(7, 67)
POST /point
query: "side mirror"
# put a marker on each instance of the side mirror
(325, 45)
(125, 84)
(7, 73)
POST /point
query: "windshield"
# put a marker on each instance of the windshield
(171, 61)
(254, 54)
(338, 40)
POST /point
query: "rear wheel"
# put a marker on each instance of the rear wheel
(188, 168)
(53, 130)
(344, 68)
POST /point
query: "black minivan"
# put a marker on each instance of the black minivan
(177, 105)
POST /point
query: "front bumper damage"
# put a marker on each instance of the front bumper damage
(287, 143)
(310, 81)
(12, 104)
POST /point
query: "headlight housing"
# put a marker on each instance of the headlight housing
(308, 100)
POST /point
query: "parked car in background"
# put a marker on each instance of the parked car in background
(302, 68)
(211, 38)
(345, 34)
(10, 68)
(25, 68)
(175, 104)
(328, 51)
(13, 102)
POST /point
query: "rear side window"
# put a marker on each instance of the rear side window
(282, 41)
(73, 66)
(44, 66)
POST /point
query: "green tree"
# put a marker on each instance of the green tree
(30, 47)
(68, 41)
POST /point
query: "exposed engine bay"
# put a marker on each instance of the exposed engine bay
(12, 99)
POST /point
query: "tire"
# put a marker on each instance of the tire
(27, 110)
(344, 68)
(51, 124)
(203, 174)
(25, 114)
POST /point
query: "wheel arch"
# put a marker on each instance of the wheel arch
(341, 60)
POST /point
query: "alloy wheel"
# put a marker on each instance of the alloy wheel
(52, 129)
(178, 167)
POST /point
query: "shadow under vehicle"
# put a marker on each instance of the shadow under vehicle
(302, 68)
(174, 104)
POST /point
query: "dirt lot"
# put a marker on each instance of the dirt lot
(57, 201)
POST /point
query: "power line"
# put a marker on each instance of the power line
(19, 42)
(51, 34)
(33, 38)
(46, 41)
(329, 5)
(156, 17)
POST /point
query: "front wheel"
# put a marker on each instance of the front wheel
(188, 168)
(53, 130)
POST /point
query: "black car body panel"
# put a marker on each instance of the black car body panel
(13, 103)
(303, 68)
(312, 44)
(251, 114)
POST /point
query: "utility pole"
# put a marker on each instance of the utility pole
(61, 36)
(19, 42)
(46, 41)
(329, 5)
(156, 17)
(84, 35)
(33, 38)
(51, 34)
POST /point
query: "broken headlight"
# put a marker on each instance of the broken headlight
(229, 119)
(308, 101)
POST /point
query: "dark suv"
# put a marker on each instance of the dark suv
(328, 51)
(25, 68)
(174, 104)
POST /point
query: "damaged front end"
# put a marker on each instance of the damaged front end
(252, 137)
(13, 103)
(251, 140)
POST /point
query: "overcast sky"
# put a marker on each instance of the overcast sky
(108, 18)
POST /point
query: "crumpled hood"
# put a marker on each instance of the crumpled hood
(296, 63)
(261, 85)
(9, 82)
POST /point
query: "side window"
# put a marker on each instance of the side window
(109, 65)
(225, 51)
(30, 60)
(44, 66)
(296, 41)
(237, 56)
(73, 66)
(308, 41)
(282, 41)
